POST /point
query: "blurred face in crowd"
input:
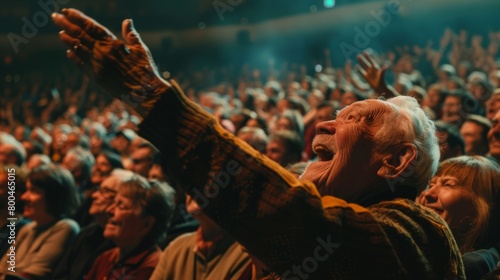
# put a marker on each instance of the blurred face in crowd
(474, 142)
(450, 199)
(283, 124)
(492, 107)
(126, 225)
(72, 164)
(103, 197)
(156, 173)
(451, 108)
(35, 204)
(120, 144)
(347, 99)
(101, 169)
(494, 136)
(432, 98)
(141, 161)
(276, 151)
(344, 147)
(95, 142)
(7, 155)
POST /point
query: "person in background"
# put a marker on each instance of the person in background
(451, 142)
(50, 198)
(474, 131)
(90, 242)
(138, 219)
(15, 185)
(208, 253)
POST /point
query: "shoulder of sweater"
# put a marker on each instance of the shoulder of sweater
(186, 240)
(69, 224)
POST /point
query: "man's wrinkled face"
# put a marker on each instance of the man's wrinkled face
(347, 163)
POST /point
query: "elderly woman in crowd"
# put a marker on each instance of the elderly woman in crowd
(138, 220)
(49, 199)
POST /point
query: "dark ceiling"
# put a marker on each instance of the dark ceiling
(157, 14)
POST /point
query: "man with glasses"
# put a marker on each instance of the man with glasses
(90, 243)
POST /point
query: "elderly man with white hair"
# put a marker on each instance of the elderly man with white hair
(350, 216)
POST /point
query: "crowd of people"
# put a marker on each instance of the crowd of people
(394, 160)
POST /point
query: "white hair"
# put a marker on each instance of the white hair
(409, 123)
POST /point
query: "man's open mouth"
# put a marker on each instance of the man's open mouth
(324, 154)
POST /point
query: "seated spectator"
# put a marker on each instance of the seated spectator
(494, 137)
(15, 186)
(37, 160)
(208, 253)
(493, 104)
(90, 242)
(462, 193)
(453, 108)
(32, 148)
(284, 147)
(79, 162)
(465, 192)
(451, 143)
(138, 220)
(255, 137)
(434, 100)
(97, 135)
(50, 198)
(142, 159)
(474, 131)
(106, 162)
(12, 152)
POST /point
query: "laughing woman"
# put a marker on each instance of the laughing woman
(465, 192)
(49, 199)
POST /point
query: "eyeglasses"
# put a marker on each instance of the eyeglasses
(139, 160)
(106, 191)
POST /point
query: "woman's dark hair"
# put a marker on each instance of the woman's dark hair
(61, 195)
(113, 158)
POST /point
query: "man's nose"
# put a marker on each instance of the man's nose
(326, 127)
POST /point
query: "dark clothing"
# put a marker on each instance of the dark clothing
(78, 259)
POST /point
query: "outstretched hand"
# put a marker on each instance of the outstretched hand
(371, 71)
(123, 68)
(374, 75)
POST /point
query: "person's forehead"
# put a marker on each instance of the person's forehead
(111, 182)
(365, 106)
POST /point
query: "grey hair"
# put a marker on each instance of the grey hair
(409, 123)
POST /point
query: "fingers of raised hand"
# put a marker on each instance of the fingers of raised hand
(363, 62)
(75, 45)
(73, 30)
(129, 34)
(371, 60)
(360, 70)
(91, 27)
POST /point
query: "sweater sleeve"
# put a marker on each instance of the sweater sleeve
(280, 220)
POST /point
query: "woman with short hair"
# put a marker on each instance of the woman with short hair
(50, 198)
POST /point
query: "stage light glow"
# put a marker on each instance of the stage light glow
(318, 68)
(329, 3)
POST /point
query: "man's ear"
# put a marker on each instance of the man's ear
(396, 163)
